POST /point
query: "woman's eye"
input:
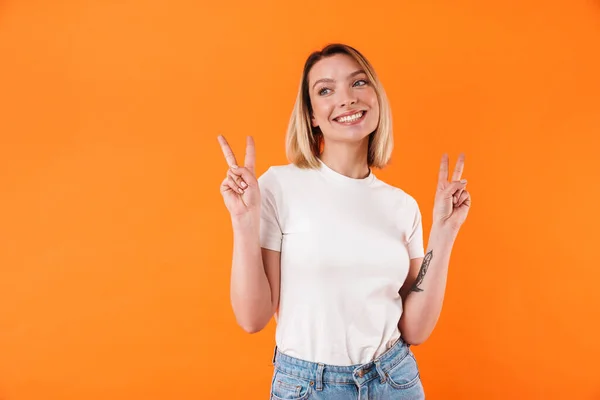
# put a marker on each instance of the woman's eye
(360, 82)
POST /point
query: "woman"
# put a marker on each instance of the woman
(334, 253)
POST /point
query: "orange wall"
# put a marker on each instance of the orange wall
(115, 246)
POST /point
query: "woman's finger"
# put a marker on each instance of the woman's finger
(239, 181)
(456, 196)
(250, 159)
(443, 173)
(225, 185)
(459, 167)
(233, 184)
(228, 185)
(244, 173)
(227, 152)
(464, 198)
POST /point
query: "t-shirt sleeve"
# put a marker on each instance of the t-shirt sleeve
(270, 229)
(415, 237)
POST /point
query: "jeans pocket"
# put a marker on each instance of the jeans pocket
(289, 387)
(405, 374)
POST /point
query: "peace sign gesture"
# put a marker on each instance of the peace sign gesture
(240, 188)
(452, 201)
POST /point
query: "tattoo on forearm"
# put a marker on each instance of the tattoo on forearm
(422, 272)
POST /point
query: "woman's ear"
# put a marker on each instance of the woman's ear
(313, 121)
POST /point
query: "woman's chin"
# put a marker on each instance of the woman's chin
(355, 136)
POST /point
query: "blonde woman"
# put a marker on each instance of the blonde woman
(332, 252)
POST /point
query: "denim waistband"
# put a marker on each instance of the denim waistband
(358, 373)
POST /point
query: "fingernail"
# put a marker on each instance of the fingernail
(234, 166)
(241, 191)
(243, 184)
(463, 181)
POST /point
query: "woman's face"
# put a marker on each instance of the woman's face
(344, 101)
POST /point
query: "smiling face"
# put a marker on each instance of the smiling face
(344, 101)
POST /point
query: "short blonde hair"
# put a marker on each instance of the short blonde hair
(304, 143)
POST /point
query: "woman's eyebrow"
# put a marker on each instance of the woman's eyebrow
(358, 72)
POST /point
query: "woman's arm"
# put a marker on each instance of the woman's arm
(424, 288)
(254, 276)
(255, 271)
(423, 291)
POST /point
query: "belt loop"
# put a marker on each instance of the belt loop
(320, 370)
(405, 342)
(382, 374)
(274, 355)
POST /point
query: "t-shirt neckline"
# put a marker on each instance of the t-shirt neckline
(332, 174)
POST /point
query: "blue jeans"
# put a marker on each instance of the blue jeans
(393, 375)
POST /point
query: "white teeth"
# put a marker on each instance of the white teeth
(351, 118)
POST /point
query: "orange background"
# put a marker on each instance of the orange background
(115, 246)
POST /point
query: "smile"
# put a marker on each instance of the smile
(350, 119)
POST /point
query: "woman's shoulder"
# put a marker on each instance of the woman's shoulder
(398, 193)
(283, 180)
(282, 172)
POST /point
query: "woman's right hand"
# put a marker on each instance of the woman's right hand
(240, 188)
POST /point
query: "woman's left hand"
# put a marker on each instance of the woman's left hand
(452, 200)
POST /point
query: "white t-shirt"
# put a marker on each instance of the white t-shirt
(345, 247)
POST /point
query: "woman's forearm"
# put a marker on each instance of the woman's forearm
(423, 304)
(250, 290)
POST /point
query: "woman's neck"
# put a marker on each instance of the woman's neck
(346, 159)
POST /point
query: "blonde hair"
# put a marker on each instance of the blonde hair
(304, 143)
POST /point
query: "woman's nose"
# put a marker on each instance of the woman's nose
(348, 97)
(348, 101)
